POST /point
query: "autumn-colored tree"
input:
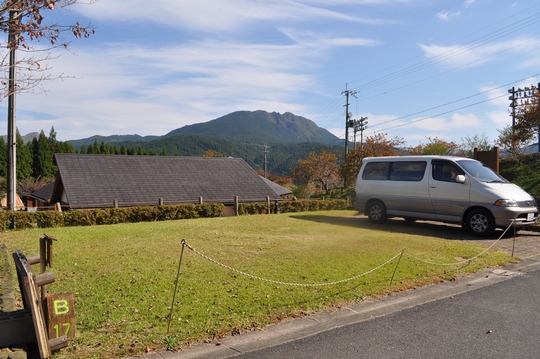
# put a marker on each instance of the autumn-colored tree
(322, 170)
(25, 19)
(528, 115)
(280, 180)
(375, 146)
(213, 153)
(516, 140)
(437, 146)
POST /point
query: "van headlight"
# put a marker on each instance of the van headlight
(506, 203)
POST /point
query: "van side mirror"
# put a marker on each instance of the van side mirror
(460, 178)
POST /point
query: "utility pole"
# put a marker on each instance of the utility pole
(13, 40)
(265, 153)
(360, 126)
(348, 122)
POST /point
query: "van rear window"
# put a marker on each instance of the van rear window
(395, 171)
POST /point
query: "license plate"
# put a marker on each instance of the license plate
(530, 217)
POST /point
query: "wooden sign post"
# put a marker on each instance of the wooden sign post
(60, 315)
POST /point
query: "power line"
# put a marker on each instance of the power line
(456, 101)
(442, 113)
(447, 55)
(479, 41)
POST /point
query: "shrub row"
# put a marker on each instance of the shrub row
(295, 206)
(90, 217)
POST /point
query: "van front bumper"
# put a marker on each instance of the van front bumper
(515, 216)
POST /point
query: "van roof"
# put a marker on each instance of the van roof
(417, 158)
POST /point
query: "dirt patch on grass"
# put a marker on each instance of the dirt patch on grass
(7, 301)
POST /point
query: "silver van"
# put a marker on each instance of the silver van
(442, 188)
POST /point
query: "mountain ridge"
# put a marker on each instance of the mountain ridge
(240, 126)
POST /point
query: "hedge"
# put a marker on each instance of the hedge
(90, 217)
(295, 206)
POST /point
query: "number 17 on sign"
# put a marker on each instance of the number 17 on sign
(61, 316)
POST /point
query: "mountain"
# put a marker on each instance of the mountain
(241, 126)
(111, 139)
(26, 138)
(260, 127)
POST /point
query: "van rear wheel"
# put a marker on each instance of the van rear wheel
(376, 212)
(480, 222)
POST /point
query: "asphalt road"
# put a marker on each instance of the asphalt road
(497, 321)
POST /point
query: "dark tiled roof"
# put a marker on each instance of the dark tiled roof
(282, 191)
(43, 194)
(85, 181)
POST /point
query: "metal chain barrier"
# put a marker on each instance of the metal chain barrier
(287, 283)
(185, 244)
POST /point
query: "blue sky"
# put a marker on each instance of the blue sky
(420, 68)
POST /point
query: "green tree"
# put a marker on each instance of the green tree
(43, 157)
(480, 142)
(23, 158)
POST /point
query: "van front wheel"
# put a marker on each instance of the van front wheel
(480, 222)
(376, 212)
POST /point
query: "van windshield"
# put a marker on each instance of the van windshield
(481, 172)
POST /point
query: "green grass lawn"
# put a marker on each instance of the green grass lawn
(123, 276)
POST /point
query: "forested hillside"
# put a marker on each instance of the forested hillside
(281, 158)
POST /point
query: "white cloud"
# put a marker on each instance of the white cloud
(500, 118)
(430, 124)
(465, 121)
(215, 15)
(154, 90)
(446, 15)
(457, 56)
(312, 39)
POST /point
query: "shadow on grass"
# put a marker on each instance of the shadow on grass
(421, 228)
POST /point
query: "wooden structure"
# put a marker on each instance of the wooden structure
(488, 158)
(29, 324)
(106, 181)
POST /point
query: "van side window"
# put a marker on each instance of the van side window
(376, 171)
(445, 171)
(408, 171)
(395, 171)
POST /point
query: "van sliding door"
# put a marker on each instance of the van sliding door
(449, 198)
